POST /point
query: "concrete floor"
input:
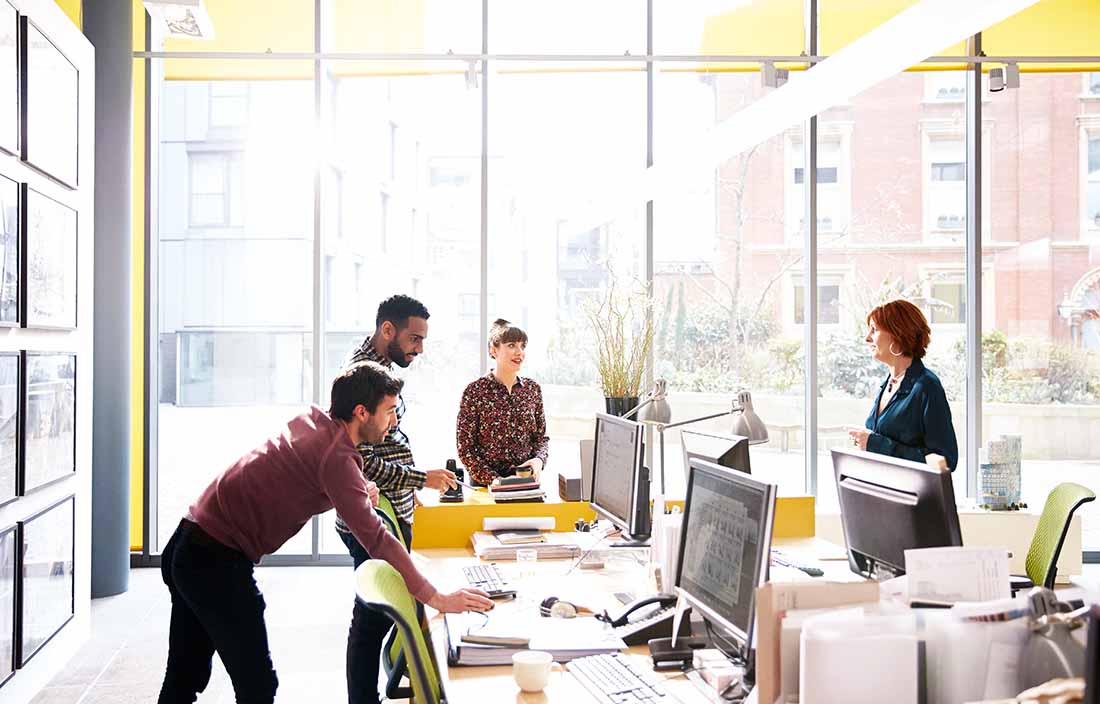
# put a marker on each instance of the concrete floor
(308, 612)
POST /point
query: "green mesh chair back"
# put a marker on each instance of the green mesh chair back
(1042, 557)
(389, 518)
(379, 586)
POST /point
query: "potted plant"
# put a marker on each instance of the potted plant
(623, 327)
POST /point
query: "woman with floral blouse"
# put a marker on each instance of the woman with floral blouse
(501, 422)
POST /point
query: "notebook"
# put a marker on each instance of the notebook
(513, 537)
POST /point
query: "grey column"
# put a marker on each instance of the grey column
(108, 25)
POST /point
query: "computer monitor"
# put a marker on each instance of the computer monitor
(889, 505)
(620, 482)
(725, 547)
(730, 451)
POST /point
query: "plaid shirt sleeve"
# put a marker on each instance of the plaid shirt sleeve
(389, 464)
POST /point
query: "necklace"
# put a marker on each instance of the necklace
(894, 381)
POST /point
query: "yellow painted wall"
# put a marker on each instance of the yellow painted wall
(137, 303)
(72, 8)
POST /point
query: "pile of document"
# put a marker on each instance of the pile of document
(565, 639)
(517, 490)
(549, 546)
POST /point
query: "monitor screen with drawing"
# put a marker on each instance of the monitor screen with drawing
(725, 545)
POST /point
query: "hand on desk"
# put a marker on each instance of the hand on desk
(461, 600)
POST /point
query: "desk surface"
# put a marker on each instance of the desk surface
(592, 588)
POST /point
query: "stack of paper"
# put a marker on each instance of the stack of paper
(519, 496)
(565, 639)
(552, 546)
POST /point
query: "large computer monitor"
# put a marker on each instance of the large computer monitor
(725, 547)
(889, 505)
(620, 482)
(730, 451)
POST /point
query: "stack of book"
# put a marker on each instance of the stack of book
(516, 490)
(548, 546)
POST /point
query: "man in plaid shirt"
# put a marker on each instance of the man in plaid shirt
(399, 332)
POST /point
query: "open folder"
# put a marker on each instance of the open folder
(564, 638)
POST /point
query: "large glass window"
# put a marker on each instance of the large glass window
(377, 244)
(555, 251)
(235, 234)
(1040, 372)
(722, 273)
(883, 254)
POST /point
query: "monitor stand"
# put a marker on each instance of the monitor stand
(631, 541)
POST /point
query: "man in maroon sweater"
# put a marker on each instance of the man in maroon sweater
(254, 507)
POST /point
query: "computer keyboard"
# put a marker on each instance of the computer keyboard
(615, 680)
(779, 558)
(488, 578)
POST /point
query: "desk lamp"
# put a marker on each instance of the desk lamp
(746, 423)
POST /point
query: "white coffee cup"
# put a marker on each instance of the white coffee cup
(531, 669)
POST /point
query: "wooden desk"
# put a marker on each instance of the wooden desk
(592, 588)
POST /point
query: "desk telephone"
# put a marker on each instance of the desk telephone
(646, 618)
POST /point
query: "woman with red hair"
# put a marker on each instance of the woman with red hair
(910, 418)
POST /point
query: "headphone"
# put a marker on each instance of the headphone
(583, 526)
(553, 607)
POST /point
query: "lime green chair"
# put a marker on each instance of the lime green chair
(393, 652)
(389, 518)
(1046, 545)
(380, 587)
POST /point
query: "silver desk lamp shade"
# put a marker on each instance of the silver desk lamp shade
(658, 410)
(747, 423)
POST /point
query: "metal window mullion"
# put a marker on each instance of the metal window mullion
(483, 312)
(974, 216)
(809, 247)
(649, 244)
(318, 253)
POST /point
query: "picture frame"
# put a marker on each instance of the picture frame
(9, 542)
(48, 419)
(11, 264)
(50, 95)
(10, 418)
(46, 594)
(49, 263)
(9, 78)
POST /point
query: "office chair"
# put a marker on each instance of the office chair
(380, 587)
(389, 518)
(1042, 556)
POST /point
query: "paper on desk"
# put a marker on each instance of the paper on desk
(957, 574)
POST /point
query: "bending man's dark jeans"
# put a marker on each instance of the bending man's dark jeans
(216, 606)
(367, 633)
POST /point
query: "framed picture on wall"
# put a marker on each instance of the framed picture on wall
(49, 419)
(46, 596)
(9, 422)
(49, 262)
(9, 78)
(8, 552)
(50, 87)
(10, 264)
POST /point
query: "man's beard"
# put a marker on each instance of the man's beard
(397, 355)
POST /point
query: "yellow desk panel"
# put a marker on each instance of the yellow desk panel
(451, 525)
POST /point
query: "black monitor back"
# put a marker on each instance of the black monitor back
(889, 505)
(730, 451)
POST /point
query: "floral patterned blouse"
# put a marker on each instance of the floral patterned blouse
(498, 429)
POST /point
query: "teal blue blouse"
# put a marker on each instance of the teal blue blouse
(917, 420)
